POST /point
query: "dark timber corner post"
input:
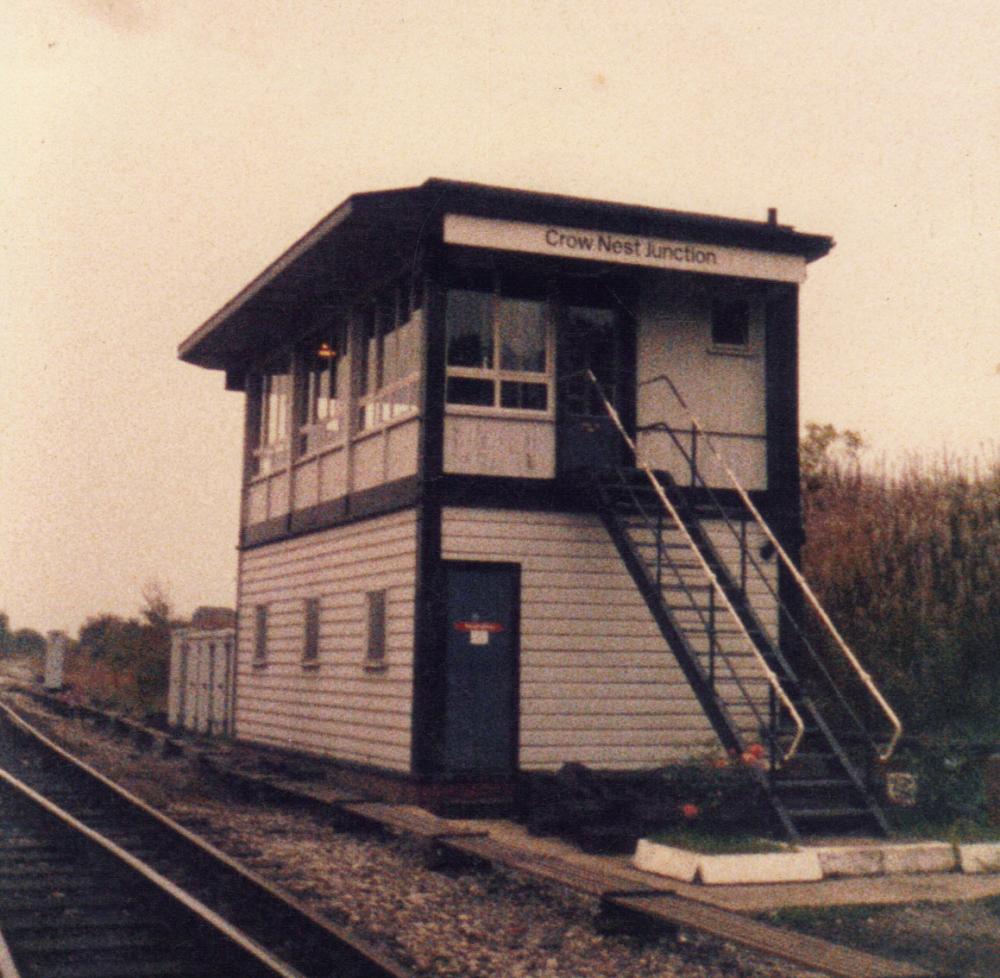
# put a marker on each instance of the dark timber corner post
(428, 642)
(784, 511)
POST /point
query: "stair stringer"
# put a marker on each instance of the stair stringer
(715, 710)
(782, 668)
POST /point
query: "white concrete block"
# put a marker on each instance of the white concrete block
(851, 860)
(979, 857)
(919, 857)
(763, 867)
(678, 864)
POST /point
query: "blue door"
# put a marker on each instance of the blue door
(481, 670)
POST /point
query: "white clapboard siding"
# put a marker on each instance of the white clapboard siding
(598, 683)
(334, 706)
(385, 454)
(493, 445)
(674, 338)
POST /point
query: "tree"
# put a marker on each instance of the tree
(135, 650)
(26, 641)
(825, 453)
(5, 635)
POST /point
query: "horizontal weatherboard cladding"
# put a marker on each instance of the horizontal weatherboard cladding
(331, 706)
(598, 683)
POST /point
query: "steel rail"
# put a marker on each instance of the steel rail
(378, 960)
(8, 969)
(221, 926)
(612, 885)
(768, 672)
(845, 649)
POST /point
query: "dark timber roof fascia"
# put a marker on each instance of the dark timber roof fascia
(413, 213)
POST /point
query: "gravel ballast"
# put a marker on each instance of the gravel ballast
(480, 922)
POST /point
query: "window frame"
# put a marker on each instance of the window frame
(376, 604)
(381, 402)
(313, 432)
(496, 374)
(270, 449)
(716, 310)
(311, 608)
(260, 623)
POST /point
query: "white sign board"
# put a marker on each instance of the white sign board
(625, 249)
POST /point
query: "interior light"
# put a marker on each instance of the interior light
(326, 351)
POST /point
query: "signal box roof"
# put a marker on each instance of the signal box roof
(371, 235)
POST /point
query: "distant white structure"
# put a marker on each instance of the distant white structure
(55, 657)
(201, 673)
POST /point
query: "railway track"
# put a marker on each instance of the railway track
(96, 884)
(273, 925)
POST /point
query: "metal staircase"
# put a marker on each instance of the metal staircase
(707, 566)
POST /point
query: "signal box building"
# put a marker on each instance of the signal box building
(519, 476)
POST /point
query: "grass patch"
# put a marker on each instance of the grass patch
(913, 826)
(828, 920)
(954, 939)
(992, 904)
(716, 844)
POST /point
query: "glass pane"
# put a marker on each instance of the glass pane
(469, 390)
(529, 397)
(404, 400)
(521, 327)
(731, 322)
(373, 362)
(390, 358)
(277, 391)
(469, 329)
(321, 365)
(591, 342)
(409, 349)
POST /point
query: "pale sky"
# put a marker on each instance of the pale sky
(157, 154)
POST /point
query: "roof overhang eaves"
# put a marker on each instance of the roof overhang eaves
(535, 207)
(188, 349)
(220, 342)
(381, 209)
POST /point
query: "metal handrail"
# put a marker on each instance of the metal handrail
(715, 654)
(750, 561)
(807, 591)
(768, 672)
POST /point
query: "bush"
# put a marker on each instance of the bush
(124, 663)
(613, 809)
(907, 563)
(717, 794)
(951, 785)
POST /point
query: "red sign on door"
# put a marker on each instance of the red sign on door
(478, 626)
(479, 631)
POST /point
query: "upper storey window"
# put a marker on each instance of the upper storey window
(389, 372)
(731, 324)
(499, 351)
(273, 428)
(323, 388)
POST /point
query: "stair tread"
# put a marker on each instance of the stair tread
(787, 782)
(839, 811)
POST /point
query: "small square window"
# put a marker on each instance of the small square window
(375, 637)
(731, 323)
(310, 643)
(260, 634)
